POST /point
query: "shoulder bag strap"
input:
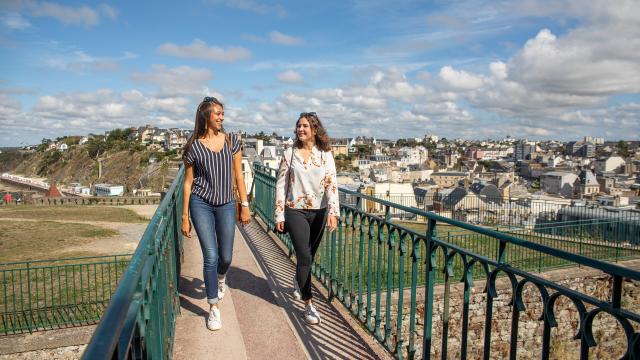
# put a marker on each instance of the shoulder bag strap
(286, 192)
(233, 176)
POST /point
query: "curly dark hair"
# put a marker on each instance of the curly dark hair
(323, 142)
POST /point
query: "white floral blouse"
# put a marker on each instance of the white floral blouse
(312, 184)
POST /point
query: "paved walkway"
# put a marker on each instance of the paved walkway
(260, 318)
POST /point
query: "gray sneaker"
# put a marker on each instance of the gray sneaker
(311, 315)
(296, 289)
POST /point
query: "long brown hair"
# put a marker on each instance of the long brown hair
(202, 116)
(322, 138)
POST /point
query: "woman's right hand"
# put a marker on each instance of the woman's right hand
(186, 227)
(280, 226)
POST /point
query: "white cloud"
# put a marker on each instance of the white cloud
(83, 15)
(14, 21)
(198, 49)
(284, 39)
(459, 79)
(586, 61)
(91, 112)
(290, 77)
(498, 70)
(178, 81)
(80, 62)
(257, 7)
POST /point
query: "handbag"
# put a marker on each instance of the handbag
(286, 195)
(236, 193)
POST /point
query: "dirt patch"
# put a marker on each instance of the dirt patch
(145, 211)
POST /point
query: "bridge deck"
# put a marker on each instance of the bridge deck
(260, 318)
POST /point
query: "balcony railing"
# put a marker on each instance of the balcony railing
(50, 294)
(139, 321)
(386, 272)
(411, 288)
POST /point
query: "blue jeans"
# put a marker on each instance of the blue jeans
(215, 226)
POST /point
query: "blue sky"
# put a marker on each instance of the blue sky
(534, 69)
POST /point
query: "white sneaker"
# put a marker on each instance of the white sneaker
(311, 315)
(214, 322)
(222, 288)
(296, 289)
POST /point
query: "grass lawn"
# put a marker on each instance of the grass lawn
(50, 294)
(73, 212)
(29, 240)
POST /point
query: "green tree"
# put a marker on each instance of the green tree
(44, 144)
(363, 150)
(623, 149)
(95, 147)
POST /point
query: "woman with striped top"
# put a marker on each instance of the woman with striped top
(307, 200)
(210, 156)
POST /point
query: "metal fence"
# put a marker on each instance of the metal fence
(50, 294)
(384, 272)
(139, 321)
(465, 206)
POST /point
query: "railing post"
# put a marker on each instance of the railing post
(30, 322)
(428, 291)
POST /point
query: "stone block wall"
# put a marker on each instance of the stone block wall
(607, 331)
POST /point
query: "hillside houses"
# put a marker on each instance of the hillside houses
(167, 139)
(589, 169)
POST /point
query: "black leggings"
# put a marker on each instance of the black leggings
(305, 229)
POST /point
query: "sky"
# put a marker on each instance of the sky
(535, 69)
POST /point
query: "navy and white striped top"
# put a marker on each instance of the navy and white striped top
(212, 177)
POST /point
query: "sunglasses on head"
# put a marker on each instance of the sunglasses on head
(209, 99)
(308, 114)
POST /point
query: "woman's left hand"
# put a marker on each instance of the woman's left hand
(245, 215)
(332, 222)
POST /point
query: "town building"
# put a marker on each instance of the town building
(108, 190)
(523, 149)
(558, 182)
(447, 179)
(609, 164)
(586, 184)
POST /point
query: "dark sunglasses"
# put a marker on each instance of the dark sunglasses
(209, 99)
(308, 114)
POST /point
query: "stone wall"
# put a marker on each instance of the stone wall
(607, 332)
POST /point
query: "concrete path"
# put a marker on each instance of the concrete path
(259, 332)
(193, 340)
(338, 336)
(261, 320)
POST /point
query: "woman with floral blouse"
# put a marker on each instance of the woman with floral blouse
(307, 200)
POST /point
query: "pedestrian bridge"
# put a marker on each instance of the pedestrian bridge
(443, 288)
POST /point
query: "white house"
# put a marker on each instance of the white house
(108, 190)
(362, 164)
(558, 182)
(411, 176)
(610, 164)
(413, 155)
(270, 157)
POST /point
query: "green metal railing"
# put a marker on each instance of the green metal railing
(498, 210)
(377, 267)
(139, 321)
(50, 294)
